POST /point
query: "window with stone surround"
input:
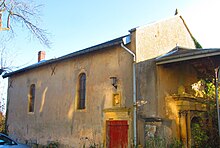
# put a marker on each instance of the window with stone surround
(82, 91)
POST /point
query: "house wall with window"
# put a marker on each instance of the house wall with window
(75, 102)
(58, 115)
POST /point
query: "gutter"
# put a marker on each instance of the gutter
(134, 93)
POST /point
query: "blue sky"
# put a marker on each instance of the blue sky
(77, 24)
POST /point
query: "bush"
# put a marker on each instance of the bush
(159, 142)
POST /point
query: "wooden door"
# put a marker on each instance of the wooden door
(117, 134)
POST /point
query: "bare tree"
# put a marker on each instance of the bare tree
(20, 13)
(5, 61)
(15, 14)
(25, 13)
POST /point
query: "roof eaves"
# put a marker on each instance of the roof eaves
(172, 52)
(110, 43)
(195, 54)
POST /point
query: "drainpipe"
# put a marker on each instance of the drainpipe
(217, 70)
(134, 93)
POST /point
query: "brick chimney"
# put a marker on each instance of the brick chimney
(41, 55)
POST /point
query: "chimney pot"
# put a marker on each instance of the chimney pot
(41, 55)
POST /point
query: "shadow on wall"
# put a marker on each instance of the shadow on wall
(43, 99)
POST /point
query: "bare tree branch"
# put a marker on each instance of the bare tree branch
(38, 32)
(24, 13)
(2, 4)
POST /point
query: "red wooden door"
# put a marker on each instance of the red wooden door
(117, 134)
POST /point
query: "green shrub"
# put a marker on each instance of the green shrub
(159, 142)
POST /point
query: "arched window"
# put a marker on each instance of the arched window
(82, 91)
(31, 98)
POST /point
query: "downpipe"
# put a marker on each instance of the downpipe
(134, 93)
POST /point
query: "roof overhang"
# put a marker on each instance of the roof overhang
(98, 47)
(189, 55)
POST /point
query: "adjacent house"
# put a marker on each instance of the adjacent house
(180, 94)
(116, 94)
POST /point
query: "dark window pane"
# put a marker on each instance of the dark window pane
(31, 98)
(82, 91)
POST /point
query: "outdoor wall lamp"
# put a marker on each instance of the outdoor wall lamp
(114, 81)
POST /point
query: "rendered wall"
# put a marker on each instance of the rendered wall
(152, 41)
(146, 88)
(55, 117)
(171, 78)
(160, 37)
